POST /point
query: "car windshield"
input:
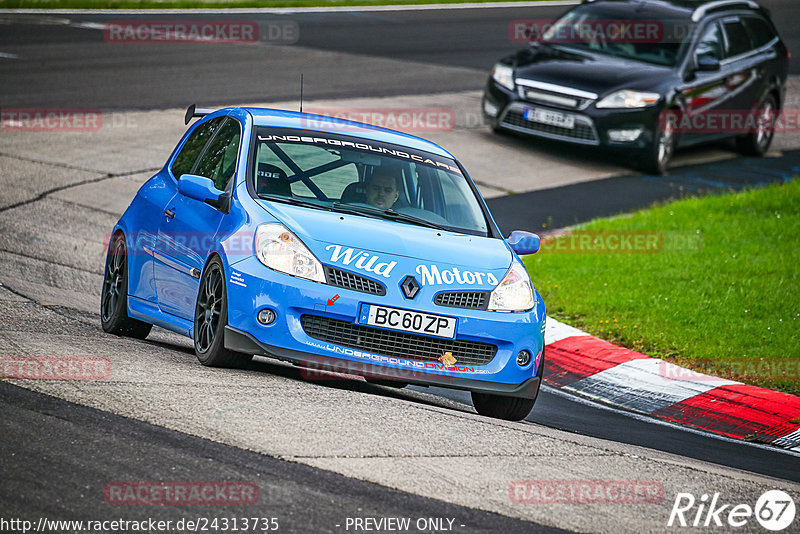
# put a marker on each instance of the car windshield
(365, 178)
(623, 34)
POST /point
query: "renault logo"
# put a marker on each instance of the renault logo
(410, 287)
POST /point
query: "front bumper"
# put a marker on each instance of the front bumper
(244, 342)
(253, 287)
(505, 109)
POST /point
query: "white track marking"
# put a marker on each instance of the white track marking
(556, 331)
(649, 419)
(792, 438)
(643, 385)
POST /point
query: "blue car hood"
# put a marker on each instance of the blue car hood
(351, 242)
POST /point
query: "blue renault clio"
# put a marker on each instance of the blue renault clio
(334, 245)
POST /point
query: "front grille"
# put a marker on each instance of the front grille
(473, 300)
(558, 100)
(395, 344)
(581, 131)
(347, 280)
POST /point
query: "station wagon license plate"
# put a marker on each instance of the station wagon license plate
(408, 321)
(552, 118)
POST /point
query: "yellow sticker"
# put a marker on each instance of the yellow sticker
(447, 359)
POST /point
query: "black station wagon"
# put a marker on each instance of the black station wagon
(691, 72)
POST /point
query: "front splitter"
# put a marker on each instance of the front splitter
(240, 341)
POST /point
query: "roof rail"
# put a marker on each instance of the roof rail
(702, 10)
(192, 112)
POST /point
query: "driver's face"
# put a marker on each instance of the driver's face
(382, 192)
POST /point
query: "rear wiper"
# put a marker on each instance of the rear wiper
(294, 201)
(390, 214)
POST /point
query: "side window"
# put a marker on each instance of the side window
(194, 145)
(710, 43)
(219, 160)
(738, 39)
(760, 31)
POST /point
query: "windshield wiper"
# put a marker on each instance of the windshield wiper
(385, 214)
(294, 201)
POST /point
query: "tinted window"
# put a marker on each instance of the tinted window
(193, 147)
(622, 33)
(332, 182)
(760, 31)
(738, 38)
(219, 160)
(710, 43)
(364, 177)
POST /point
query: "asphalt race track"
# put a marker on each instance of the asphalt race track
(287, 490)
(325, 450)
(63, 60)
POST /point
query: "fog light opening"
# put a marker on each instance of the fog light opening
(490, 109)
(628, 135)
(523, 358)
(266, 316)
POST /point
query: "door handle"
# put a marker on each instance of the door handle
(169, 213)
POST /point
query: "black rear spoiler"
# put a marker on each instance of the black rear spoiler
(192, 112)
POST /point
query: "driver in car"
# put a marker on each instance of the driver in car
(382, 191)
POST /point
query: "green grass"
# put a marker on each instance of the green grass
(735, 299)
(211, 4)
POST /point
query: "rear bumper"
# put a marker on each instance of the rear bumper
(240, 341)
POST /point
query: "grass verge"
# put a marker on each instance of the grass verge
(717, 289)
(217, 4)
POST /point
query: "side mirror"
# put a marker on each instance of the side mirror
(199, 188)
(524, 242)
(706, 63)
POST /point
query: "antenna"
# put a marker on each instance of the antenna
(301, 92)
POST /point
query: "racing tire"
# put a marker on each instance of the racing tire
(757, 143)
(499, 407)
(657, 157)
(210, 319)
(114, 295)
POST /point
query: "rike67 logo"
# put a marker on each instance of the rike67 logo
(774, 510)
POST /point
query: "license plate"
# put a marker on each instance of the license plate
(552, 118)
(408, 321)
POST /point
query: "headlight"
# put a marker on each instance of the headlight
(627, 99)
(514, 293)
(504, 75)
(281, 250)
